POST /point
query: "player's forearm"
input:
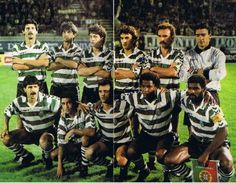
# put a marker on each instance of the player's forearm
(6, 123)
(85, 132)
(124, 74)
(88, 71)
(37, 63)
(218, 140)
(20, 67)
(55, 66)
(165, 72)
(67, 63)
(60, 155)
(103, 74)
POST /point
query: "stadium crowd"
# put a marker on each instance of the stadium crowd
(50, 14)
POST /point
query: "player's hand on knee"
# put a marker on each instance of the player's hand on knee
(4, 133)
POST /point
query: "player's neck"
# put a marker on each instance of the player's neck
(66, 45)
(32, 101)
(30, 42)
(96, 51)
(128, 52)
(164, 51)
(106, 106)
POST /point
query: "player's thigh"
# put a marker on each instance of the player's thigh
(21, 136)
(224, 155)
(177, 155)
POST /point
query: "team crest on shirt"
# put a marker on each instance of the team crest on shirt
(217, 118)
(202, 123)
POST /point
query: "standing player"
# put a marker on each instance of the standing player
(66, 59)
(165, 62)
(36, 111)
(128, 62)
(208, 140)
(30, 57)
(96, 64)
(74, 131)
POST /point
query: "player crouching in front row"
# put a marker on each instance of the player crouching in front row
(75, 130)
(208, 139)
(36, 111)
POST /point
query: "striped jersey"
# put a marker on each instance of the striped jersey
(66, 75)
(157, 60)
(126, 62)
(114, 124)
(205, 119)
(38, 117)
(80, 121)
(22, 51)
(211, 59)
(155, 116)
(104, 60)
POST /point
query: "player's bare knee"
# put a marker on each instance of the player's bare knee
(85, 141)
(226, 165)
(160, 154)
(7, 140)
(46, 141)
(131, 153)
(89, 154)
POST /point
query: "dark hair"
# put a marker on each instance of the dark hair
(202, 26)
(73, 98)
(167, 25)
(98, 29)
(128, 29)
(196, 78)
(69, 26)
(107, 82)
(150, 77)
(30, 80)
(30, 21)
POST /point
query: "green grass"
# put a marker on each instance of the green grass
(10, 173)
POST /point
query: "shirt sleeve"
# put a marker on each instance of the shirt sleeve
(217, 116)
(108, 65)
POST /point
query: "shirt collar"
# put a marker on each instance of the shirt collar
(198, 50)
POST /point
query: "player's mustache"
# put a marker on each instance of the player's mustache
(33, 93)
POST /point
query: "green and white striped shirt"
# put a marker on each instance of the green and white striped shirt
(22, 51)
(66, 75)
(38, 117)
(104, 60)
(205, 119)
(81, 121)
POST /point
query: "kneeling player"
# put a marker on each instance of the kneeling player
(74, 132)
(208, 134)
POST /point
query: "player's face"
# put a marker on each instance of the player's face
(126, 41)
(104, 93)
(68, 35)
(164, 38)
(30, 31)
(148, 88)
(202, 38)
(66, 105)
(32, 91)
(195, 92)
(95, 40)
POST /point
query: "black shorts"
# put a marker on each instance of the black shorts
(90, 95)
(196, 147)
(145, 142)
(42, 88)
(22, 136)
(72, 151)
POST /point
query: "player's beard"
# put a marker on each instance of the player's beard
(196, 99)
(150, 96)
(167, 44)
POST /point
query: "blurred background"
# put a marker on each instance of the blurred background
(49, 15)
(145, 15)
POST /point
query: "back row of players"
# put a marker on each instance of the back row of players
(144, 118)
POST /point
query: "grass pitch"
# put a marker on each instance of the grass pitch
(9, 171)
